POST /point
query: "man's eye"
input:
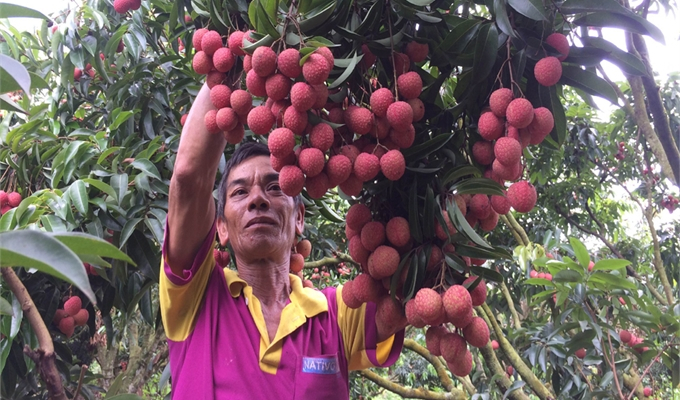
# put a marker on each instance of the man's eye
(275, 186)
(238, 192)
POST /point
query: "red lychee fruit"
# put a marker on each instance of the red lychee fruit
(210, 120)
(241, 102)
(412, 315)
(352, 186)
(458, 305)
(316, 185)
(580, 353)
(327, 54)
(321, 137)
(373, 235)
(256, 84)
(366, 166)
(338, 169)
(522, 196)
(291, 180)
(418, 109)
(478, 294)
(81, 317)
(235, 136)
(277, 87)
(297, 263)
(463, 366)
(264, 61)
(494, 344)
(214, 78)
(120, 47)
(211, 42)
(311, 161)
(417, 52)
(383, 262)
(480, 206)
(502, 172)
(357, 251)
(428, 304)
(393, 165)
(260, 120)
(520, 135)
(403, 138)
(320, 96)
(476, 332)
(67, 326)
(281, 142)
(77, 74)
(490, 127)
(369, 58)
(220, 96)
(541, 126)
(433, 338)
(508, 151)
(247, 63)
(235, 43)
(452, 346)
(402, 63)
(72, 305)
(367, 289)
(560, 43)
(295, 120)
(316, 69)
(202, 63)
(347, 292)
(58, 316)
(399, 114)
(304, 247)
(289, 63)
(483, 152)
(548, 71)
(409, 85)
(350, 151)
(647, 391)
(187, 19)
(380, 100)
(625, 336)
(279, 162)
(520, 113)
(226, 119)
(499, 100)
(278, 109)
(302, 96)
(359, 120)
(122, 6)
(398, 231)
(390, 313)
(13, 199)
(591, 265)
(500, 204)
(439, 229)
(357, 216)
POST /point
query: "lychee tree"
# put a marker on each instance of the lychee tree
(418, 123)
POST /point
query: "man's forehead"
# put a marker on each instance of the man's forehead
(258, 166)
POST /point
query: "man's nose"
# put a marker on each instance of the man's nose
(258, 199)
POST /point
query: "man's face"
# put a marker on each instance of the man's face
(260, 221)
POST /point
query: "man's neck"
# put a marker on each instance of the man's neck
(270, 281)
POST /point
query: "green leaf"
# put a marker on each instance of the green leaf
(316, 18)
(532, 9)
(628, 63)
(629, 22)
(39, 250)
(7, 104)
(13, 76)
(81, 243)
(147, 166)
(478, 185)
(481, 252)
(347, 72)
(128, 229)
(426, 148)
(458, 172)
(428, 213)
(78, 194)
(119, 183)
(486, 48)
(567, 275)
(413, 214)
(101, 186)
(328, 213)
(610, 264)
(502, 19)
(9, 10)
(589, 82)
(265, 23)
(611, 281)
(486, 273)
(5, 307)
(463, 226)
(580, 252)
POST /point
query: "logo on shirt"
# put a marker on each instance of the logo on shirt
(321, 365)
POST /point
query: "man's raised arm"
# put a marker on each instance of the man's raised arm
(191, 208)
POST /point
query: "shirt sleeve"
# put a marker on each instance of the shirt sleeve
(360, 336)
(180, 296)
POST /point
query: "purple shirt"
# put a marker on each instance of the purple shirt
(219, 347)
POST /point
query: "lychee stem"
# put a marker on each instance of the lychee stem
(394, 65)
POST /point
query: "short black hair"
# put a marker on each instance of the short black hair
(242, 153)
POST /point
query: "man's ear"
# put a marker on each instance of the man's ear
(222, 231)
(300, 219)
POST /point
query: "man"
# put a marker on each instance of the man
(255, 333)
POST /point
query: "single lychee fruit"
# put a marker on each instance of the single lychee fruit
(214, 78)
(463, 366)
(452, 346)
(541, 126)
(625, 336)
(428, 305)
(480, 206)
(580, 353)
(509, 370)
(304, 247)
(58, 316)
(494, 344)
(412, 316)
(357, 251)
(522, 196)
(476, 332)
(490, 126)
(202, 63)
(483, 152)
(372, 235)
(235, 136)
(226, 119)
(380, 100)
(507, 151)
(390, 313)
(291, 180)
(359, 119)
(264, 61)
(501, 172)
(478, 294)
(321, 137)
(320, 96)
(366, 166)
(383, 262)
(418, 109)
(311, 161)
(409, 85)
(402, 63)
(256, 84)
(500, 204)
(367, 289)
(560, 43)
(368, 59)
(403, 137)
(347, 292)
(279, 162)
(398, 231)
(120, 47)
(67, 326)
(121, 6)
(278, 109)
(73, 305)
(520, 135)
(289, 63)
(13, 199)
(241, 102)
(281, 142)
(220, 96)
(350, 151)
(81, 317)
(211, 42)
(591, 265)
(295, 120)
(316, 69)
(357, 216)
(210, 120)
(235, 43)
(277, 87)
(499, 100)
(647, 391)
(352, 186)
(520, 113)
(260, 120)
(458, 305)
(338, 169)
(548, 71)
(302, 96)
(433, 338)
(247, 63)
(297, 263)
(399, 114)
(393, 165)
(417, 52)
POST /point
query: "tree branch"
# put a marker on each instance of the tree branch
(43, 356)
(411, 393)
(517, 236)
(511, 305)
(447, 382)
(518, 228)
(339, 258)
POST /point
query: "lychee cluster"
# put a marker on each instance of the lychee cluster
(9, 201)
(540, 275)
(632, 341)
(71, 315)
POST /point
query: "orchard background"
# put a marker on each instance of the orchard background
(580, 274)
